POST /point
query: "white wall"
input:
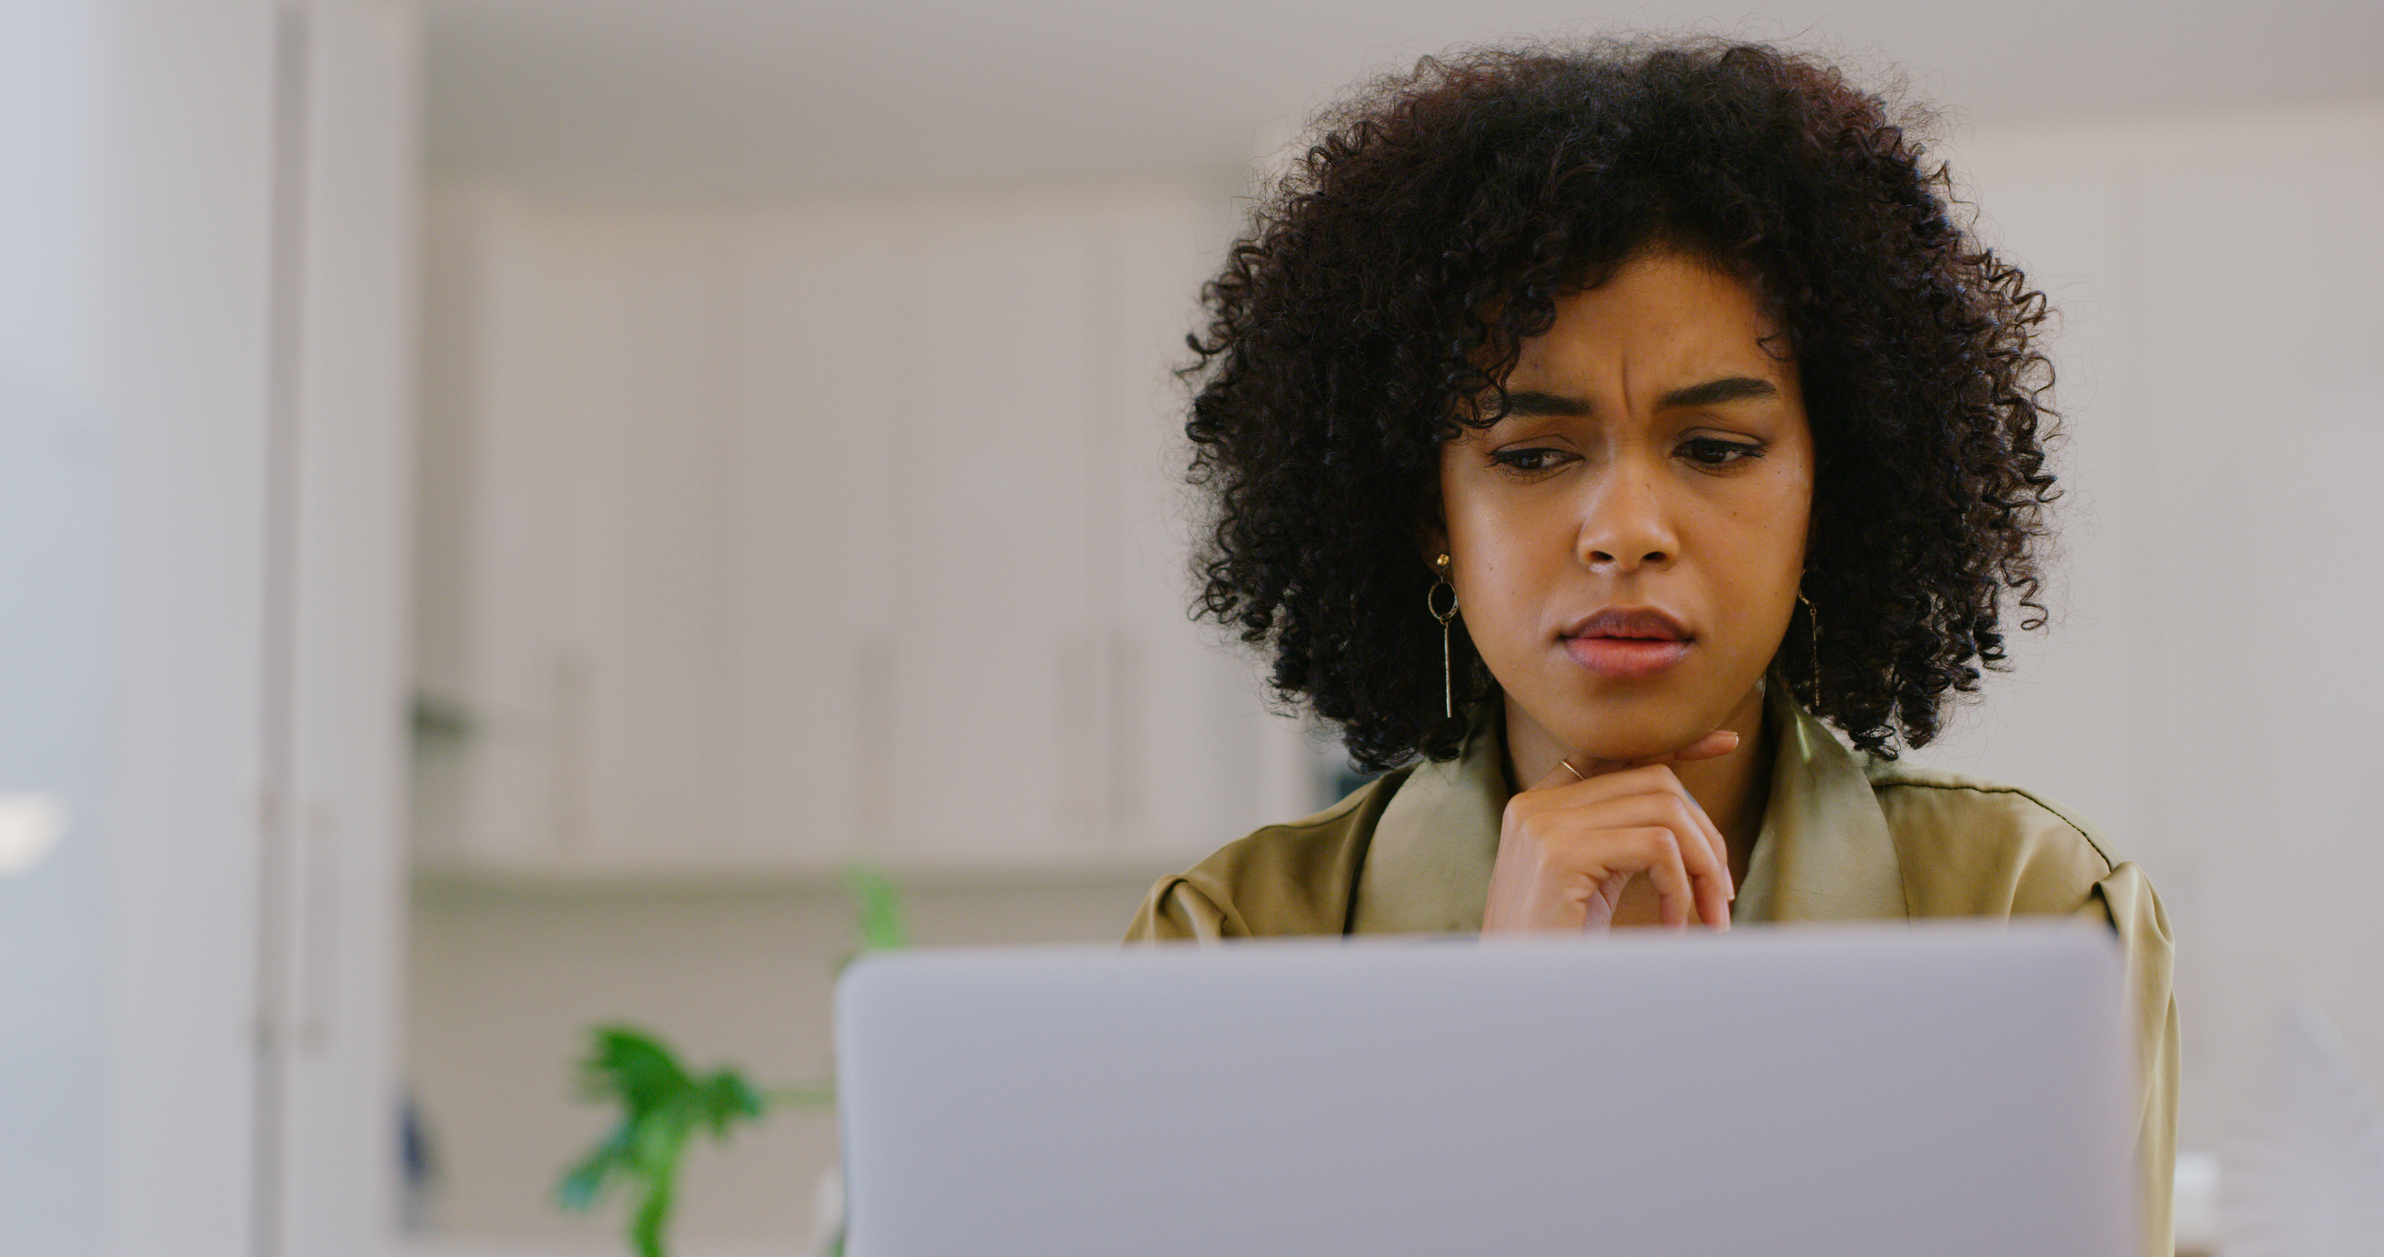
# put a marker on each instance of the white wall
(154, 425)
(342, 664)
(54, 594)
(136, 230)
(2208, 692)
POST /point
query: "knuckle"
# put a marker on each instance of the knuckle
(1670, 845)
(1684, 824)
(1651, 842)
(1536, 828)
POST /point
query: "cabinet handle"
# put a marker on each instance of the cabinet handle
(318, 926)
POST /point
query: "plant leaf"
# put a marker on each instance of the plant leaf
(661, 1106)
(725, 1098)
(879, 907)
(632, 1065)
(585, 1181)
(653, 1213)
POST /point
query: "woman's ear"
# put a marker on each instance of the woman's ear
(1432, 540)
(1431, 529)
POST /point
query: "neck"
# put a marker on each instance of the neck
(1732, 788)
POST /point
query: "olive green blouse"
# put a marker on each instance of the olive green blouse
(1845, 837)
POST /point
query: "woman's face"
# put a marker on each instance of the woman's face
(1627, 542)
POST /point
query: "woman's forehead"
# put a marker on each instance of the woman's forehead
(1659, 323)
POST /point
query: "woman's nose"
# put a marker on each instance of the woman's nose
(1625, 525)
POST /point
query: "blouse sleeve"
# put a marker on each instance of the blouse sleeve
(2126, 900)
(1972, 848)
(1175, 911)
(1280, 880)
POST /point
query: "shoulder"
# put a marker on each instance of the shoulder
(1970, 846)
(1292, 878)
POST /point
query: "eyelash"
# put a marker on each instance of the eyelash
(1515, 460)
(1705, 451)
(1731, 451)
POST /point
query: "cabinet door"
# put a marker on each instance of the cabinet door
(782, 539)
(1193, 750)
(639, 390)
(490, 539)
(984, 433)
(814, 471)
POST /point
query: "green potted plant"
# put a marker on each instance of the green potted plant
(663, 1104)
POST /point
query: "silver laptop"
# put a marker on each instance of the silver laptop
(1866, 1091)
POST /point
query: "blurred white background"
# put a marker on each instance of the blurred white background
(730, 434)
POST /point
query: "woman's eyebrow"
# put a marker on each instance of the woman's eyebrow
(1533, 404)
(1735, 388)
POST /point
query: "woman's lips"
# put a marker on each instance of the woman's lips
(1628, 643)
(1625, 657)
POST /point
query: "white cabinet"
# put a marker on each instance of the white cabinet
(765, 541)
(989, 628)
(814, 354)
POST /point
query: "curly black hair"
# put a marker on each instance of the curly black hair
(1387, 281)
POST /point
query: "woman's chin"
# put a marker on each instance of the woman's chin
(1626, 742)
(1615, 750)
(1637, 730)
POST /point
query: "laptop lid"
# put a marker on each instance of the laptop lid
(1859, 1091)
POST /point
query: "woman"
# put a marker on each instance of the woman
(1586, 427)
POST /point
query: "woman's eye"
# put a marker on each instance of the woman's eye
(1533, 458)
(1715, 452)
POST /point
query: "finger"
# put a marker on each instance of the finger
(1646, 780)
(1708, 874)
(1557, 777)
(1712, 835)
(1717, 743)
(1714, 894)
(1560, 789)
(1575, 771)
(1707, 832)
(1703, 854)
(1659, 850)
(1707, 860)
(1653, 847)
(1576, 768)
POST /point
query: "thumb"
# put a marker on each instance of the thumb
(1582, 768)
(1717, 743)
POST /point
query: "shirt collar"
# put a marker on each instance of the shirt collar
(1824, 852)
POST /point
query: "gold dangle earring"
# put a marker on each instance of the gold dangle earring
(1813, 623)
(1448, 674)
